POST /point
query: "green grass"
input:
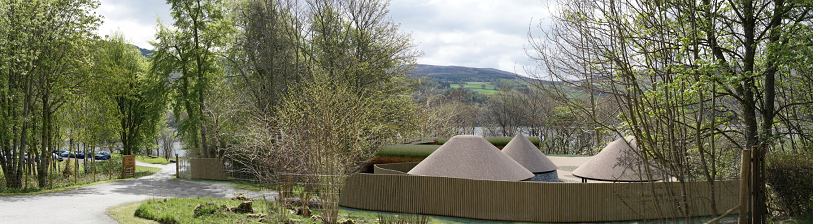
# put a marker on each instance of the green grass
(124, 214)
(158, 160)
(477, 87)
(82, 180)
(181, 210)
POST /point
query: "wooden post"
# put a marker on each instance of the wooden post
(745, 169)
(177, 174)
(758, 184)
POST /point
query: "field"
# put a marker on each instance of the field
(478, 87)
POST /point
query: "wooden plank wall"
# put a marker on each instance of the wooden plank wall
(532, 201)
(207, 169)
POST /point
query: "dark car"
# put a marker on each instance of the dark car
(64, 153)
(102, 155)
(80, 154)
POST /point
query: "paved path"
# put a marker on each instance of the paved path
(88, 204)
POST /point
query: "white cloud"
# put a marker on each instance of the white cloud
(473, 33)
(136, 19)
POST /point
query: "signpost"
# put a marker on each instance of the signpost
(128, 169)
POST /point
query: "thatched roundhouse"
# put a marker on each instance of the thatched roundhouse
(471, 157)
(529, 156)
(618, 161)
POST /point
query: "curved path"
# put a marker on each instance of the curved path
(88, 204)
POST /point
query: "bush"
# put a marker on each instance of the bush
(404, 150)
(790, 182)
(498, 141)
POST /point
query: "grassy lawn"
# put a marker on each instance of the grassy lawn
(103, 174)
(478, 87)
(181, 210)
(159, 160)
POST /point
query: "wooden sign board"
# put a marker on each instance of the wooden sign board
(128, 169)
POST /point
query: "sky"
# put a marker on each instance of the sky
(471, 33)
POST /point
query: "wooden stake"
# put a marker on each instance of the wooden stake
(745, 169)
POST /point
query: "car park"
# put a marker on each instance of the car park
(103, 155)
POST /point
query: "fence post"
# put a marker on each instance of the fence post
(745, 169)
(177, 174)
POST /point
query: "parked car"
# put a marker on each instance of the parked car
(80, 154)
(64, 153)
(103, 155)
(57, 157)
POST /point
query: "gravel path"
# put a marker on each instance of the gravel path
(88, 204)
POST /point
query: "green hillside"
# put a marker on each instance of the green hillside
(478, 87)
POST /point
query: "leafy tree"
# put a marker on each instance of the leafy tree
(44, 48)
(140, 98)
(189, 49)
(677, 70)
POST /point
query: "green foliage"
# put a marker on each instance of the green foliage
(45, 61)
(158, 160)
(791, 183)
(190, 51)
(404, 150)
(197, 210)
(140, 98)
(497, 141)
(422, 151)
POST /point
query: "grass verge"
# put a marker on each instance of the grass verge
(124, 214)
(158, 160)
(141, 171)
(182, 210)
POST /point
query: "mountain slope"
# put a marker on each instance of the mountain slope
(145, 52)
(460, 73)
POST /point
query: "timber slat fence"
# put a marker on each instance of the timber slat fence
(207, 169)
(530, 201)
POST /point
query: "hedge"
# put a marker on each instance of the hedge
(498, 141)
(419, 149)
(790, 180)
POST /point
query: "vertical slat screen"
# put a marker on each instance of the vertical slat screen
(531, 201)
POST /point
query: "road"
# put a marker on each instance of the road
(88, 204)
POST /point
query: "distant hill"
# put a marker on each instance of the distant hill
(460, 73)
(145, 52)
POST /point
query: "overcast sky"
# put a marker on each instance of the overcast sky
(483, 33)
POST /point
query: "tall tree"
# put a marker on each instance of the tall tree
(140, 97)
(680, 71)
(45, 45)
(189, 49)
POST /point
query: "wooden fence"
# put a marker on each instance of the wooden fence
(531, 201)
(207, 169)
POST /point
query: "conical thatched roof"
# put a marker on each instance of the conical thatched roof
(471, 157)
(616, 162)
(526, 154)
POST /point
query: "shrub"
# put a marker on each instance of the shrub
(404, 150)
(497, 141)
(790, 182)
